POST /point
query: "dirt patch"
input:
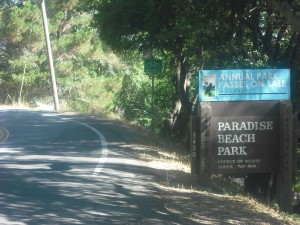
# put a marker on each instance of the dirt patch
(196, 205)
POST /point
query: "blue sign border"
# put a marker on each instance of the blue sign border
(244, 85)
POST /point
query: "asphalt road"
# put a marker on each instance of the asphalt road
(63, 169)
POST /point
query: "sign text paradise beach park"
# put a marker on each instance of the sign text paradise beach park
(244, 143)
(244, 85)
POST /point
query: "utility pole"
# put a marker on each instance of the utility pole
(48, 44)
(50, 58)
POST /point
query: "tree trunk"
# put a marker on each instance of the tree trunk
(182, 116)
(170, 123)
(292, 20)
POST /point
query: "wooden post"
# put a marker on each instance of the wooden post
(295, 142)
(195, 144)
(205, 145)
(286, 152)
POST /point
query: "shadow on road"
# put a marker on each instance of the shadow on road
(46, 177)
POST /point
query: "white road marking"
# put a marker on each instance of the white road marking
(104, 152)
(4, 134)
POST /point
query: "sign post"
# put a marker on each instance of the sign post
(285, 179)
(152, 66)
(195, 144)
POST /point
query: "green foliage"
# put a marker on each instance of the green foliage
(93, 94)
(84, 72)
(187, 36)
(134, 100)
(208, 35)
(297, 185)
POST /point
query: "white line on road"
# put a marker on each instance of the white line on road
(104, 154)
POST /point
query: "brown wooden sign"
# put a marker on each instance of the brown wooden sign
(244, 137)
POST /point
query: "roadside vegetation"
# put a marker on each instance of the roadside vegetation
(98, 49)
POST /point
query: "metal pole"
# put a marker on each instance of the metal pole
(152, 104)
(50, 58)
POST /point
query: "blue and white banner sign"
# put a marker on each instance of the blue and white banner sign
(244, 85)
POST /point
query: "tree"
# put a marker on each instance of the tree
(271, 29)
(170, 26)
(289, 10)
(78, 55)
(20, 40)
(195, 35)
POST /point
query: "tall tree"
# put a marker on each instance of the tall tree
(170, 26)
(271, 29)
(289, 10)
(77, 52)
(197, 34)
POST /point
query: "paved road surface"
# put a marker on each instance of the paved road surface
(60, 169)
